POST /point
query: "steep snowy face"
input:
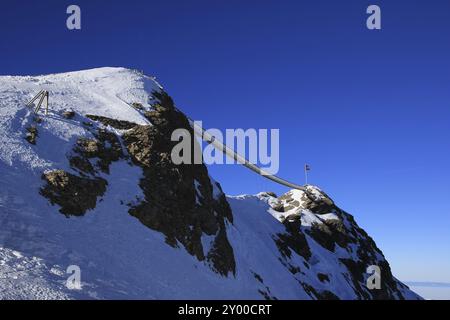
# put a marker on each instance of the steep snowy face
(92, 184)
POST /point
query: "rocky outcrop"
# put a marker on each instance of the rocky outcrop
(330, 233)
(105, 148)
(179, 200)
(318, 203)
(117, 124)
(75, 195)
(312, 214)
(293, 240)
(32, 134)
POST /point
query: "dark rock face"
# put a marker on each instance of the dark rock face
(139, 142)
(179, 199)
(330, 233)
(326, 295)
(137, 106)
(323, 277)
(293, 239)
(271, 194)
(318, 295)
(368, 254)
(75, 195)
(278, 207)
(105, 147)
(82, 164)
(117, 124)
(32, 134)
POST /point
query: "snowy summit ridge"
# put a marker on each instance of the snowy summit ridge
(91, 184)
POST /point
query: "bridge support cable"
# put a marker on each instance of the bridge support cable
(204, 135)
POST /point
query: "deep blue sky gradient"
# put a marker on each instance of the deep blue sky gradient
(368, 110)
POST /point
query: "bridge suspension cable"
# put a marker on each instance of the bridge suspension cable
(204, 135)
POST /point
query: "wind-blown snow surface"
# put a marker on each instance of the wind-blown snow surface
(119, 257)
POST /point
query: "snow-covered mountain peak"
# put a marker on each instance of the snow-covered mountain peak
(102, 91)
(115, 93)
(92, 184)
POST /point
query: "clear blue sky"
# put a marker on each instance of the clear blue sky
(368, 110)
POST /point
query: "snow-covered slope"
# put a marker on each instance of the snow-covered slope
(103, 92)
(90, 185)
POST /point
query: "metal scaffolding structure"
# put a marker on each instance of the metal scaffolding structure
(42, 95)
